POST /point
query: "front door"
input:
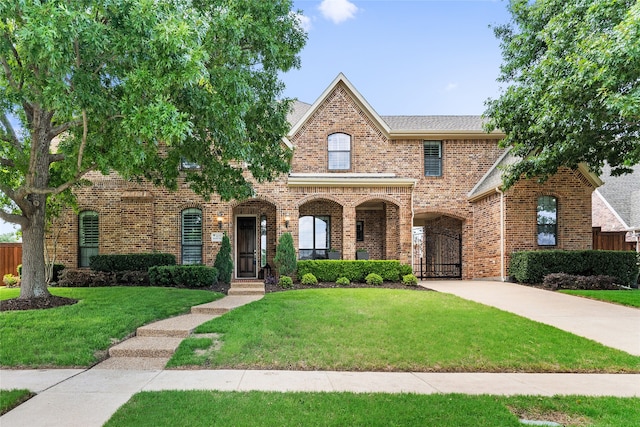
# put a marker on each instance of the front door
(246, 246)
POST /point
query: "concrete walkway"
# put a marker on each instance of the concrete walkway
(71, 397)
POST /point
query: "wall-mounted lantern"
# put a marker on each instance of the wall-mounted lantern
(286, 221)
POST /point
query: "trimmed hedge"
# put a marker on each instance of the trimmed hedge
(76, 278)
(130, 262)
(356, 271)
(557, 281)
(533, 266)
(183, 276)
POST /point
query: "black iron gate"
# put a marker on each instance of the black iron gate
(437, 254)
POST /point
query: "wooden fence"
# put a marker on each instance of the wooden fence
(611, 240)
(10, 258)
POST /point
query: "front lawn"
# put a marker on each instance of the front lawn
(629, 297)
(79, 335)
(390, 330)
(9, 399)
(207, 408)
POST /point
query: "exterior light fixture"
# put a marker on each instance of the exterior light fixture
(286, 221)
(219, 222)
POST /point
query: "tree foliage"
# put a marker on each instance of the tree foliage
(285, 258)
(135, 87)
(573, 95)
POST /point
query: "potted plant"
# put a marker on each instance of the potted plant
(362, 253)
(333, 253)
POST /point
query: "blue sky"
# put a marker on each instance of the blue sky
(417, 57)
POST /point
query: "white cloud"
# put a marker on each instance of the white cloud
(338, 10)
(304, 21)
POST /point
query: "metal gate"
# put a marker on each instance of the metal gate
(437, 254)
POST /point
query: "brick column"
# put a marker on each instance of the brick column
(348, 232)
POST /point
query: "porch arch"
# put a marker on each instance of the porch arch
(377, 227)
(438, 245)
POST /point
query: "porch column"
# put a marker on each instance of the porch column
(348, 232)
(403, 228)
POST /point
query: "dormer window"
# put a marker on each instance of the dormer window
(339, 148)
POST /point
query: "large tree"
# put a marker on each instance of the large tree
(136, 86)
(572, 70)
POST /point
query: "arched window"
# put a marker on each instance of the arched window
(547, 221)
(191, 236)
(339, 148)
(88, 237)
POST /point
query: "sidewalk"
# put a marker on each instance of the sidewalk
(72, 397)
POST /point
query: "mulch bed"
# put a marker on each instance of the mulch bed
(35, 303)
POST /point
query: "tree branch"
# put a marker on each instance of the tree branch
(59, 189)
(7, 162)
(63, 128)
(10, 131)
(57, 157)
(13, 218)
(83, 144)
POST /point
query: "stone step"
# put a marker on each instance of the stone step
(245, 291)
(146, 347)
(134, 363)
(224, 305)
(247, 285)
(180, 326)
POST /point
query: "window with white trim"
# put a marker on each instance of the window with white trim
(432, 158)
(191, 231)
(339, 148)
(88, 237)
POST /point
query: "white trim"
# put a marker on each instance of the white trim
(344, 180)
(612, 210)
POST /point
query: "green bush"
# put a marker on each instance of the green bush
(223, 262)
(373, 279)
(11, 281)
(57, 268)
(129, 262)
(405, 269)
(76, 278)
(342, 281)
(285, 258)
(19, 269)
(309, 279)
(285, 282)
(410, 280)
(183, 276)
(533, 266)
(354, 270)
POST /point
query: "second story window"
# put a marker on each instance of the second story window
(339, 148)
(432, 158)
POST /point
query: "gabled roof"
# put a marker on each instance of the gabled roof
(397, 127)
(622, 193)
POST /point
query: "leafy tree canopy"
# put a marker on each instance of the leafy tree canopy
(572, 70)
(137, 86)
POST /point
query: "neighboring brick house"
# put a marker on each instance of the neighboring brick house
(421, 189)
(616, 210)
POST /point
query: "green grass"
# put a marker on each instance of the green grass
(79, 335)
(630, 298)
(9, 399)
(207, 408)
(391, 330)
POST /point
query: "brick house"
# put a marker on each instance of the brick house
(424, 190)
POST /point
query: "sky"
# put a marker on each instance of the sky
(419, 57)
(416, 57)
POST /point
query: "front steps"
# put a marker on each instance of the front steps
(246, 287)
(155, 343)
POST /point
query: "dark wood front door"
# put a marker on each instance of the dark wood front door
(246, 246)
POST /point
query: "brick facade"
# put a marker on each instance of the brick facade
(384, 188)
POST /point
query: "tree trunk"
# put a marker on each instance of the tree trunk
(33, 209)
(33, 283)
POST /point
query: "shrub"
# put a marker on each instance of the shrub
(11, 281)
(309, 279)
(270, 280)
(354, 270)
(373, 279)
(533, 266)
(55, 272)
(285, 258)
(75, 278)
(183, 276)
(285, 282)
(410, 280)
(404, 270)
(124, 262)
(570, 281)
(19, 270)
(223, 261)
(342, 281)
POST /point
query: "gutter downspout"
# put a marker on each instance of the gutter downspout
(502, 249)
